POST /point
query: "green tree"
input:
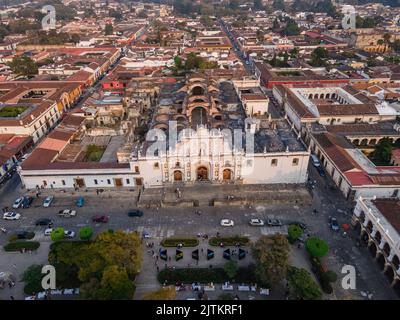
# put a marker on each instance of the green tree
(32, 278)
(57, 234)
(231, 268)
(85, 233)
(271, 254)
(382, 154)
(294, 232)
(115, 284)
(317, 247)
(206, 21)
(178, 62)
(23, 65)
(302, 285)
(330, 276)
(117, 248)
(108, 30)
(291, 28)
(319, 56)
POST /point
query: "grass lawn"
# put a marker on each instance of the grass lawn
(12, 112)
(94, 153)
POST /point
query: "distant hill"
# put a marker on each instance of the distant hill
(392, 3)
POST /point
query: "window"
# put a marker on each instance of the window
(128, 181)
(177, 164)
(95, 181)
(63, 182)
(295, 162)
(274, 162)
(136, 169)
(108, 181)
(156, 166)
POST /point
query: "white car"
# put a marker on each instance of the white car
(47, 202)
(11, 216)
(69, 234)
(67, 213)
(256, 222)
(48, 231)
(17, 203)
(227, 223)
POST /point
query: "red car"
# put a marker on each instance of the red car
(102, 219)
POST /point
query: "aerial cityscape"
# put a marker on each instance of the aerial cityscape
(226, 150)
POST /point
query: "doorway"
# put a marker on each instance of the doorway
(202, 173)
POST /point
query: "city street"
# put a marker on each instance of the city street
(167, 222)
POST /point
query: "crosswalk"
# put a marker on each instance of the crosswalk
(274, 230)
(156, 232)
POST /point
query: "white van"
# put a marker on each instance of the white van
(315, 160)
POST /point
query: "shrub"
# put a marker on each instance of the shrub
(302, 285)
(330, 276)
(321, 272)
(57, 234)
(229, 241)
(20, 245)
(317, 247)
(85, 233)
(33, 279)
(186, 242)
(294, 232)
(231, 269)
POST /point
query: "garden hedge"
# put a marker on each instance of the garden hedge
(19, 245)
(229, 241)
(186, 242)
(14, 237)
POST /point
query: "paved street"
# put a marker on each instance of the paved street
(166, 222)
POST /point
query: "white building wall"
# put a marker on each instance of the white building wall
(32, 179)
(284, 172)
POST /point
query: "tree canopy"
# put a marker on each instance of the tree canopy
(23, 65)
(317, 247)
(271, 254)
(302, 285)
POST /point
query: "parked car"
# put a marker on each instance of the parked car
(256, 222)
(69, 234)
(43, 222)
(67, 213)
(315, 160)
(47, 202)
(80, 202)
(227, 223)
(17, 203)
(135, 213)
(26, 202)
(100, 219)
(11, 216)
(23, 234)
(334, 224)
(274, 222)
(48, 231)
